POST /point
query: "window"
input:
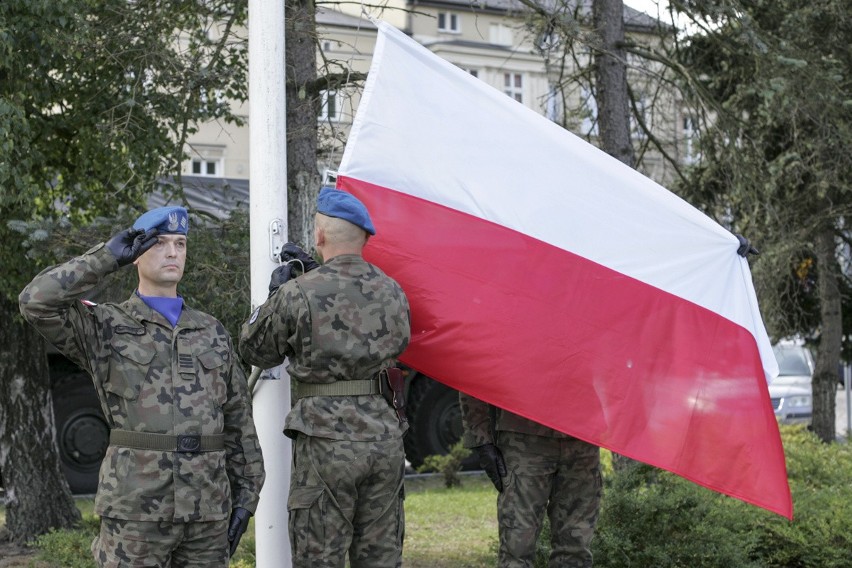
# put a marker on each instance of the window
(331, 107)
(469, 71)
(589, 126)
(513, 85)
(448, 22)
(205, 167)
(690, 155)
(553, 103)
(643, 109)
(500, 34)
(207, 161)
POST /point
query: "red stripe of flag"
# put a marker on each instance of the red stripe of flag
(496, 313)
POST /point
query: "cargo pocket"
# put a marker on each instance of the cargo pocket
(306, 506)
(252, 456)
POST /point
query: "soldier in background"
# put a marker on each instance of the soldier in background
(183, 470)
(341, 325)
(536, 469)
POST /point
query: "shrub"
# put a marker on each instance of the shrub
(654, 518)
(449, 465)
(70, 548)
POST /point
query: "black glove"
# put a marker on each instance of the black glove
(491, 460)
(294, 255)
(238, 525)
(279, 276)
(130, 244)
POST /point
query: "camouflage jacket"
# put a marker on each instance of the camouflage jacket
(345, 320)
(155, 379)
(481, 420)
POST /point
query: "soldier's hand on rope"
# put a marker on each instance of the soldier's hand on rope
(293, 254)
(279, 276)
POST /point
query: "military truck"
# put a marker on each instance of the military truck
(83, 435)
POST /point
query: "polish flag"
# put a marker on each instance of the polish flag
(547, 278)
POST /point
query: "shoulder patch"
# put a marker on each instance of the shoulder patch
(88, 303)
(254, 315)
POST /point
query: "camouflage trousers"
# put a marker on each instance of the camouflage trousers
(138, 544)
(346, 497)
(559, 476)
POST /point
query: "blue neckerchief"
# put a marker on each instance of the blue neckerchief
(169, 308)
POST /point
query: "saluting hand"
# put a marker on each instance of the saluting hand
(129, 244)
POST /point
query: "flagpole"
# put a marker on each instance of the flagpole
(268, 231)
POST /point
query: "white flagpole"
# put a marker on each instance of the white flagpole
(268, 219)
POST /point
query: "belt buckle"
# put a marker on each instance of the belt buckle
(189, 443)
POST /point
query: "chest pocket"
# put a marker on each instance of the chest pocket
(132, 353)
(214, 368)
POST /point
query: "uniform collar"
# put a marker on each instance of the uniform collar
(141, 311)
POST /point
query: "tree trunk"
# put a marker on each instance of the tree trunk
(611, 80)
(612, 98)
(830, 338)
(37, 496)
(303, 179)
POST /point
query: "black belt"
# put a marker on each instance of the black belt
(185, 443)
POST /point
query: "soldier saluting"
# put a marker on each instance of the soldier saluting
(341, 325)
(183, 470)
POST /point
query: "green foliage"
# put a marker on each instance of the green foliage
(775, 164)
(70, 548)
(96, 101)
(448, 465)
(653, 518)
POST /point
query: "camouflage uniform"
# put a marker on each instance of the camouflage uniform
(152, 378)
(343, 321)
(547, 471)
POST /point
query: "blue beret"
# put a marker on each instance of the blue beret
(165, 220)
(336, 203)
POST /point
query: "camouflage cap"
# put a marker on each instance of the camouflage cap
(336, 203)
(173, 220)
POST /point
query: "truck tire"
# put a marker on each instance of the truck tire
(434, 417)
(82, 433)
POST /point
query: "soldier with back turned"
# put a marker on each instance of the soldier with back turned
(536, 471)
(341, 326)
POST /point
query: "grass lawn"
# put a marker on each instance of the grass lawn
(444, 528)
(450, 528)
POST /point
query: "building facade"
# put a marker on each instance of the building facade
(497, 41)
